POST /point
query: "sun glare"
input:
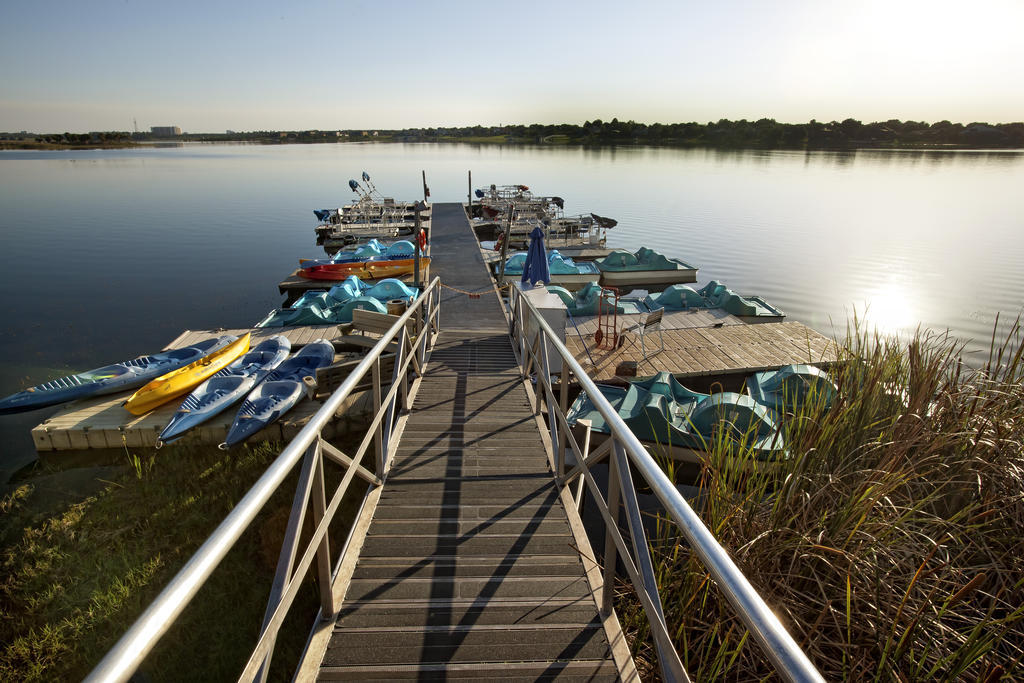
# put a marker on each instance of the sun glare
(890, 308)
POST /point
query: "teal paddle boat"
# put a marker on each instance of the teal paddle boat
(643, 268)
(749, 309)
(563, 270)
(592, 297)
(336, 305)
(787, 389)
(682, 424)
(374, 250)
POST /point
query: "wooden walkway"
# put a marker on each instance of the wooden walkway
(470, 567)
(707, 351)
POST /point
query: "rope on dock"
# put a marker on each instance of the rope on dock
(471, 295)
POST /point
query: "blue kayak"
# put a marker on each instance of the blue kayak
(227, 386)
(279, 392)
(130, 374)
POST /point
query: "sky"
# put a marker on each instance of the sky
(98, 65)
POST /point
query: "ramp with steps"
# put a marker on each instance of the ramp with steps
(470, 568)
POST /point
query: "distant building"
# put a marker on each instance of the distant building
(165, 131)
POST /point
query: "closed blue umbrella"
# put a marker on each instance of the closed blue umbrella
(535, 269)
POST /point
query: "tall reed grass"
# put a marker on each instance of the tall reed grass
(890, 541)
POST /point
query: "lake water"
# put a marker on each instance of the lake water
(110, 254)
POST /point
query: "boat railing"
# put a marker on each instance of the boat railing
(541, 352)
(408, 342)
(572, 231)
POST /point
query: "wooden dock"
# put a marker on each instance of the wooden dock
(298, 336)
(472, 565)
(706, 351)
(101, 422)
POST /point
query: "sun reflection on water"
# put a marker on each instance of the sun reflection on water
(891, 307)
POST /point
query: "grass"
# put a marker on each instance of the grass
(888, 543)
(75, 578)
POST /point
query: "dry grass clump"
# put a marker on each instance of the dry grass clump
(890, 542)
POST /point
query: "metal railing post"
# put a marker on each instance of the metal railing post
(538, 343)
(409, 347)
(548, 391)
(395, 380)
(610, 551)
(289, 545)
(668, 658)
(378, 432)
(513, 303)
(323, 555)
(563, 407)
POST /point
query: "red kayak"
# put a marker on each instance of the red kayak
(365, 270)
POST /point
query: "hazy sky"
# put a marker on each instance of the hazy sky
(209, 66)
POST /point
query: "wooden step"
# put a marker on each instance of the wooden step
(566, 671)
(549, 523)
(463, 467)
(432, 548)
(389, 568)
(472, 645)
(451, 612)
(408, 509)
(458, 588)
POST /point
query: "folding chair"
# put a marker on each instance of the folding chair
(650, 323)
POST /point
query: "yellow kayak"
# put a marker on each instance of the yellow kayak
(183, 380)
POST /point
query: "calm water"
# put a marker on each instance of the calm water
(109, 254)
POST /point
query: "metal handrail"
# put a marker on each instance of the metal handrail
(782, 651)
(128, 653)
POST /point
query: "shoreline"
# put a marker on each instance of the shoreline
(28, 145)
(14, 145)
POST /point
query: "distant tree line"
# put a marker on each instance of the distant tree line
(84, 138)
(763, 133)
(270, 136)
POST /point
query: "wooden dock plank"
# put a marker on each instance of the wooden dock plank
(706, 351)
